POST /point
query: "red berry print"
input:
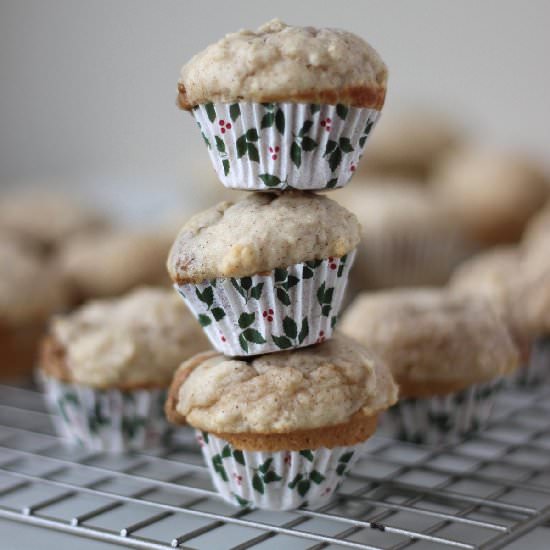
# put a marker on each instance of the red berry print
(288, 459)
(238, 479)
(327, 491)
(326, 124)
(274, 151)
(352, 168)
(268, 315)
(321, 337)
(332, 263)
(224, 126)
(223, 338)
(200, 440)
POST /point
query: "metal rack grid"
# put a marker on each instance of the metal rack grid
(484, 493)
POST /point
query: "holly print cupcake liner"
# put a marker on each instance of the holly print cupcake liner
(441, 419)
(282, 480)
(288, 308)
(268, 146)
(106, 420)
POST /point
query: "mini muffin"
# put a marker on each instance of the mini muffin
(447, 354)
(496, 275)
(106, 366)
(109, 263)
(281, 430)
(409, 143)
(405, 240)
(265, 273)
(491, 194)
(46, 219)
(284, 106)
(31, 289)
(537, 230)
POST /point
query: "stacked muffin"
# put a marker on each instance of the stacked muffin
(284, 111)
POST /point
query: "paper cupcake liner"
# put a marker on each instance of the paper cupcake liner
(408, 260)
(266, 146)
(282, 480)
(289, 308)
(106, 420)
(537, 370)
(441, 419)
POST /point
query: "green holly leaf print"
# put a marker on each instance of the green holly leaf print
(283, 297)
(210, 111)
(330, 147)
(205, 436)
(256, 291)
(241, 501)
(270, 180)
(226, 451)
(362, 141)
(340, 271)
(290, 327)
(303, 487)
(307, 454)
(243, 343)
(218, 467)
(345, 145)
(246, 282)
(332, 183)
(306, 127)
(206, 140)
(226, 166)
(267, 120)
(314, 108)
(316, 477)
(280, 275)
(246, 319)
(333, 321)
(282, 342)
(304, 331)
(239, 457)
(234, 111)
(280, 121)
(269, 106)
(342, 111)
(335, 159)
(241, 146)
(265, 466)
(346, 457)
(321, 294)
(238, 287)
(341, 470)
(325, 311)
(258, 484)
(220, 145)
(308, 144)
(271, 476)
(204, 320)
(296, 154)
(307, 272)
(295, 481)
(253, 336)
(206, 296)
(252, 151)
(252, 135)
(292, 281)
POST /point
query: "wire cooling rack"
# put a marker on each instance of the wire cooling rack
(490, 491)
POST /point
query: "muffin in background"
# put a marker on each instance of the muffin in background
(538, 229)
(109, 263)
(408, 143)
(491, 194)
(266, 273)
(31, 289)
(282, 429)
(106, 366)
(447, 353)
(405, 238)
(296, 114)
(47, 219)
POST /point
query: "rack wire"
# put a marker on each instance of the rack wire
(489, 491)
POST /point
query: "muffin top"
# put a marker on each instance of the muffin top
(283, 392)
(31, 287)
(109, 263)
(492, 194)
(137, 340)
(260, 233)
(46, 219)
(432, 336)
(279, 62)
(409, 143)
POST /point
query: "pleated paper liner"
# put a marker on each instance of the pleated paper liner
(267, 146)
(289, 308)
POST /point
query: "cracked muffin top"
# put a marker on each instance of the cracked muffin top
(260, 233)
(280, 62)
